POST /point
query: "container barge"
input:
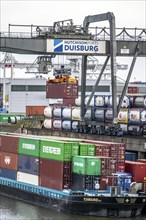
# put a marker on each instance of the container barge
(70, 175)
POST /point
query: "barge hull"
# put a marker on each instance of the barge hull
(107, 207)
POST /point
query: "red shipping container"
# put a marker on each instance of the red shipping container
(9, 143)
(54, 183)
(137, 169)
(106, 181)
(55, 169)
(35, 110)
(120, 166)
(133, 90)
(61, 90)
(141, 160)
(102, 150)
(9, 161)
(106, 165)
(118, 152)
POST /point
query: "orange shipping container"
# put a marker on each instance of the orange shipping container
(35, 110)
(8, 161)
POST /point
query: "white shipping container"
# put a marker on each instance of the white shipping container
(124, 127)
(99, 114)
(27, 178)
(66, 124)
(48, 123)
(48, 111)
(57, 124)
(123, 116)
(99, 101)
(109, 114)
(76, 113)
(74, 125)
(78, 101)
(125, 102)
(134, 115)
(106, 101)
(57, 112)
(145, 102)
(143, 116)
(139, 102)
(67, 112)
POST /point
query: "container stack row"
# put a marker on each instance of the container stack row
(106, 101)
(65, 164)
(68, 117)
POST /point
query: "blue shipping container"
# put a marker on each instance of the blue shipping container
(125, 180)
(130, 156)
(28, 164)
(10, 174)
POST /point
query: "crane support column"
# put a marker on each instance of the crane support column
(83, 85)
(129, 76)
(113, 50)
(97, 82)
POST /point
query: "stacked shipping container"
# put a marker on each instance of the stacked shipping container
(64, 164)
(132, 115)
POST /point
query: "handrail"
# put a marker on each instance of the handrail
(97, 33)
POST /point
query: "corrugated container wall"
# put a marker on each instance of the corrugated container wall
(87, 149)
(54, 183)
(8, 143)
(59, 170)
(9, 160)
(61, 90)
(85, 182)
(10, 174)
(28, 164)
(86, 165)
(137, 169)
(56, 150)
(27, 178)
(29, 146)
(35, 110)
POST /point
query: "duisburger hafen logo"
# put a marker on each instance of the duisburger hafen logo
(75, 46)
(83, 46)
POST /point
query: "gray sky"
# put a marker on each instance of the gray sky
(128, 13)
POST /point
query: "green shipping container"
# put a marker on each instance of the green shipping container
(86, 165)
(87, 149)
(75, 147)
(56, 150)
(4, 117)
(29, 146)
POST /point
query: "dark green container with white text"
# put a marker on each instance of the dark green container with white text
(56, 150)
(86, 165)
(29, 146)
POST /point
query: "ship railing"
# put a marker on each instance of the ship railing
(32, 188)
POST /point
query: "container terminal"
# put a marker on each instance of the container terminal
(92, 131)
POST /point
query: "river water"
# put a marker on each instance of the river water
(11, 209)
